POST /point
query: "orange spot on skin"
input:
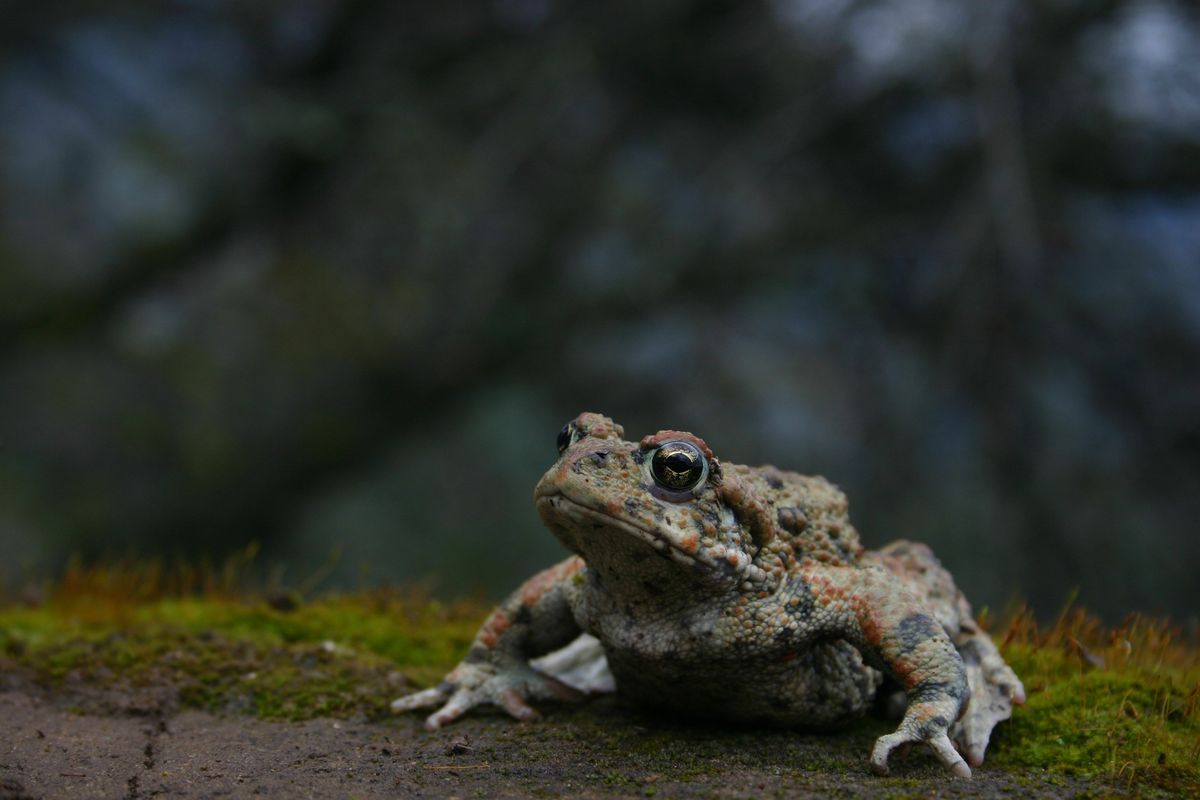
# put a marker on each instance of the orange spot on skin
(533, 589)
(690, 543)
(494, 628)
(903, 671)
(613, 508)
(871, 628)
(923, 713)
(598, 426)
(821, 587)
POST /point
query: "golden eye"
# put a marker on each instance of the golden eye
(678, 466)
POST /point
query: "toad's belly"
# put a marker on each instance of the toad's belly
(826, 684)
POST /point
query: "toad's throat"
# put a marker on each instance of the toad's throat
(558, 506)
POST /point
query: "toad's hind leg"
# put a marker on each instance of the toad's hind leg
(581, 665)
(994, 686)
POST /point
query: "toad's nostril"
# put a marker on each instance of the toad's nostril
(600, 457)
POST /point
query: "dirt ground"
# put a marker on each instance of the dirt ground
(138, 744)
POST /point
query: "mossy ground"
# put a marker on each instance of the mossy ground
(1122, 704)
(276, 658)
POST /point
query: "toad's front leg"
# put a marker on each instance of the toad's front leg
(995, 688)
(532, 621)
(871, 609)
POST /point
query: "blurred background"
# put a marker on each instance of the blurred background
(329, 277)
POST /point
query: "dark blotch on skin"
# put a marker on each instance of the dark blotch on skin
(844, 550)
(631, 506)
(915, 629)
(932, 727)
(791, 519)
(803, 611)
(927, 690)
(969, 650)
(932, 690)
(523, 616)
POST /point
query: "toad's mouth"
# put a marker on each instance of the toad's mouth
(553, 507)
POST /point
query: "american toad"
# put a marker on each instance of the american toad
(729, 591)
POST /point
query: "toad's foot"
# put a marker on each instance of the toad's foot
(938, 742)
(469, 685)
(581, 665)
(994, 690)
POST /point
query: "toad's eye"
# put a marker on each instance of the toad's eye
(566, 437)
(678, 466)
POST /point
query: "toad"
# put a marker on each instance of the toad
(734, 592)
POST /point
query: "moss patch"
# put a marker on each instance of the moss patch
(337, 655)
(1118, 703)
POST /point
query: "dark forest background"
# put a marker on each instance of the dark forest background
(330, 276)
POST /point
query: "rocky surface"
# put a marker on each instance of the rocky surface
(111, 746)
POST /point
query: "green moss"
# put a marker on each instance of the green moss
(1106, 713)
(336, 656)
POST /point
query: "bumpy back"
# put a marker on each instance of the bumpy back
(811, 516)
